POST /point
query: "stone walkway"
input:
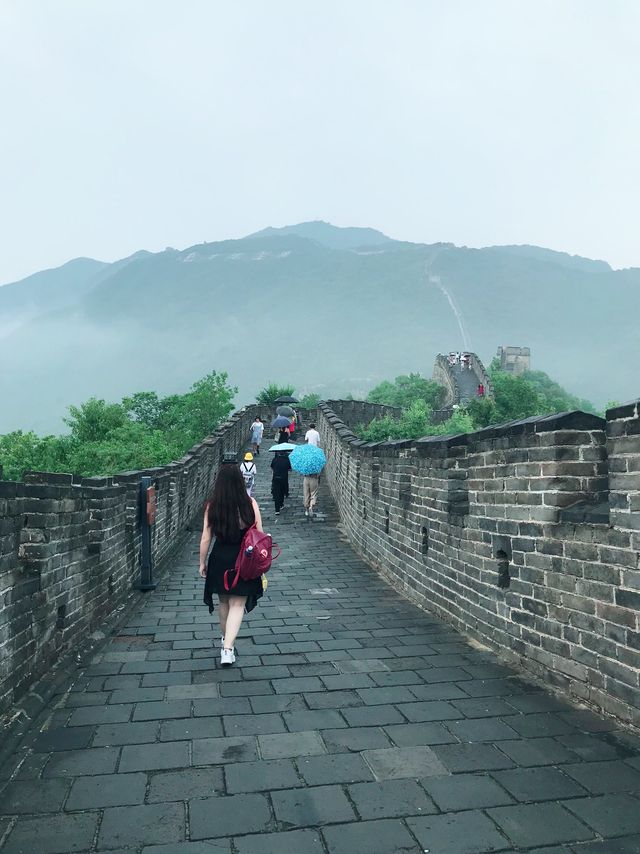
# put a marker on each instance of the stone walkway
(353, 723)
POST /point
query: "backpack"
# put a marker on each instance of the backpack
(254, 558)
(249, 474)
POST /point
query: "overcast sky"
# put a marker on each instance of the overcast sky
(140, 124)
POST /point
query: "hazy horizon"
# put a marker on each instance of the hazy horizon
(141, 126)
(281, 225)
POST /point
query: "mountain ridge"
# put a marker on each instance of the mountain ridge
(331, 318)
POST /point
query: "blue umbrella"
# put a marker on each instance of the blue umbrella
(307, 459)
(281, 421)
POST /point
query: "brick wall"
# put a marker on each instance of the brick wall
(70, 550)
(506, 533)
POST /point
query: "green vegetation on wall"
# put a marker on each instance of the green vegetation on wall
(142, 431)
(408, 389)
(515, 397)
(270, 393)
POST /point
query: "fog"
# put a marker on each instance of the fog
(148, 124)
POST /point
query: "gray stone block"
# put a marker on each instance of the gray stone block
(312, 807)
(396, 762)
(227, 816)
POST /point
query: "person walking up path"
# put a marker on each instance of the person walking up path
(257, 430)
(280, 479)
(310, 493)
(228, 513)
(312, 437)
(248, 471)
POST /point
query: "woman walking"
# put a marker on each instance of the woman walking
(228, 513)
(283, 436)
(257, 429)
(280, 480)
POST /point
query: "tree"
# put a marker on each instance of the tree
(309, 401)
(141, 432)
(198, 413)
(406, 389)
(130, 447)
(94, 420)
(144, 406)
(414, 423)
(553, 397)
(270, 393)
(20, 452)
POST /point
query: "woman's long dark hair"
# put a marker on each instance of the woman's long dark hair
(229, 508)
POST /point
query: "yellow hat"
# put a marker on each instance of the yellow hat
(248, 456)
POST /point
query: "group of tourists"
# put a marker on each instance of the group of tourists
(231, 515)
(462, 359)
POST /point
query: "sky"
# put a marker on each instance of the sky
(140, 125)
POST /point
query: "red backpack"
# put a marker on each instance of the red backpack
(254, 558)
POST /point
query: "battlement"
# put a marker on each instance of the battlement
(70, 549)
(524, 535)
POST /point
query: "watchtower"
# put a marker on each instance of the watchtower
(516, 360)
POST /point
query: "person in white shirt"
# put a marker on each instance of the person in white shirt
(312, 437)
(257, 429)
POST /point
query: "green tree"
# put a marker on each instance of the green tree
(130, 447)
(553, 397)
(196, 414)
(20, 452)
(141, 432)
(406, 389)
(310, 401)
(270, 393)
(414, 423)
(528, 394)
(93, 420)
(146, 407)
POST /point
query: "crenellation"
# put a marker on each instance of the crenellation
(558, 497)
(70, 550)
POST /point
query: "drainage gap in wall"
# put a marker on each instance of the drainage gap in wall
(504, 577)
(386, 521)
(110, 585)
(62, 613)
(425, 541)
(364, 511)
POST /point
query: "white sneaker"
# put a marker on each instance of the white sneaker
(227, 657)
(306, 512)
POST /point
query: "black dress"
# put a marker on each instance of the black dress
(223, 557)
(280, 481)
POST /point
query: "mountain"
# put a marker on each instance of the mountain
(329, 235)
(331, 310)
(562, 259)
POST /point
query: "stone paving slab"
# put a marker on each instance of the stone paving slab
(352, 723)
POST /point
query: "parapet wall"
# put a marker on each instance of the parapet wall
(70, 550)
(506, 533)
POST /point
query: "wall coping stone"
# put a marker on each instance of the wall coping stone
(624, 410)
(571, 420)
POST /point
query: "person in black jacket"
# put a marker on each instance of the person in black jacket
(280, 480)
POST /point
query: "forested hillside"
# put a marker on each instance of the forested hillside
(331, 310)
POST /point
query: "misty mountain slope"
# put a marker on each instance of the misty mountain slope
(286, 307)
(561, 259)
(581, 327)
(329, 235)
